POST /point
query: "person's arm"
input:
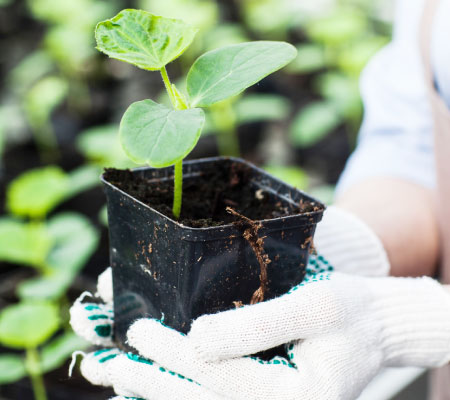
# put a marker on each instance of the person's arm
(402, 215)
(389, 180)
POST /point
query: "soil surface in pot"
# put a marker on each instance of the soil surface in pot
(206, 197)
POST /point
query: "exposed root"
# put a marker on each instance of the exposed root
(257, 243)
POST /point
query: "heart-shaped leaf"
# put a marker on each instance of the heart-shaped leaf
(36, 192)
(313, 123)
(74, 240)
(226, 72)
(23, 242)
(159, 136)
(143, 39)
(27, 325)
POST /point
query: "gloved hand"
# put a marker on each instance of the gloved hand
(133, 375)
(347, 241)
(341, 330)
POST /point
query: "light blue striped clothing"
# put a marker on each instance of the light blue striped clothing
(396, 138)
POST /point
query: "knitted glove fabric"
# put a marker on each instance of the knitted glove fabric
(350, 244)
(342, 329)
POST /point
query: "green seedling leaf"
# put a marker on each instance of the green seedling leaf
(261, 107)
(33, 67)
(153, 134)
(228, 71)
(74, 241)
(199, 13)
(36, 192)
(310, 58)
(225, 35)
(27, 325)
(54, 354)
(313, 123)
(43, 98)
(12, 368)
(83, 178)
(339, 27)
(294, 176)
(24, 243)
(353, 59)
(342, 91)
(140, 38)
(325, 193)
(101, 145)
(103, 216)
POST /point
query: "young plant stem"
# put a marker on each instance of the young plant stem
(168, 86)
(34, 371)
(178, 189)
(178, 184)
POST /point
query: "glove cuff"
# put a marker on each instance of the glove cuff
(350, 244)
(415, 318)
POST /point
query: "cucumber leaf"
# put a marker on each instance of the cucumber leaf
(24, 243)
(74, 241)
(27, 325)
(36, 192)
(143, 39)
(159, 136)
(228, 71)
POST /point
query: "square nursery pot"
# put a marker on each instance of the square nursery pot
(167, 270)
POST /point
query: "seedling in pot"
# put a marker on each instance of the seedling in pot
(159, 136)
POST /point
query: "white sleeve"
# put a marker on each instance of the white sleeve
(396, 137)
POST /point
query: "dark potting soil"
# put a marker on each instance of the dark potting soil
(206, 198)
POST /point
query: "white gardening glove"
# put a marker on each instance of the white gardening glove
(346, 240)
(350, 244)
(131, 375)
(342, 330)
(350, 327)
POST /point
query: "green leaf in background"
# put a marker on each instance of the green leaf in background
(24, 243)
(261, 107)
(12, 368)
(153, 134)
(342, 91)
(143, 39)
(294, 176)
(36, 192)
(103, 216)
(354, 58)
(325, 193)
(43, 98)
(55, 353)
(101, 145)
(83, 178)
(313, 123)
(62, 37)
(27, 325)
(337, 28)
(311, 57)
(225, 35)
(74, 241)
(228, 71)
(199, 13)
(29, 70)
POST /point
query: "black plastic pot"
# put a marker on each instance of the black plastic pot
(169, 271)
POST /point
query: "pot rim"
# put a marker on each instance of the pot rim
(292, 221)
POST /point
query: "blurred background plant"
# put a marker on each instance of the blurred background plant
(60, 104)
